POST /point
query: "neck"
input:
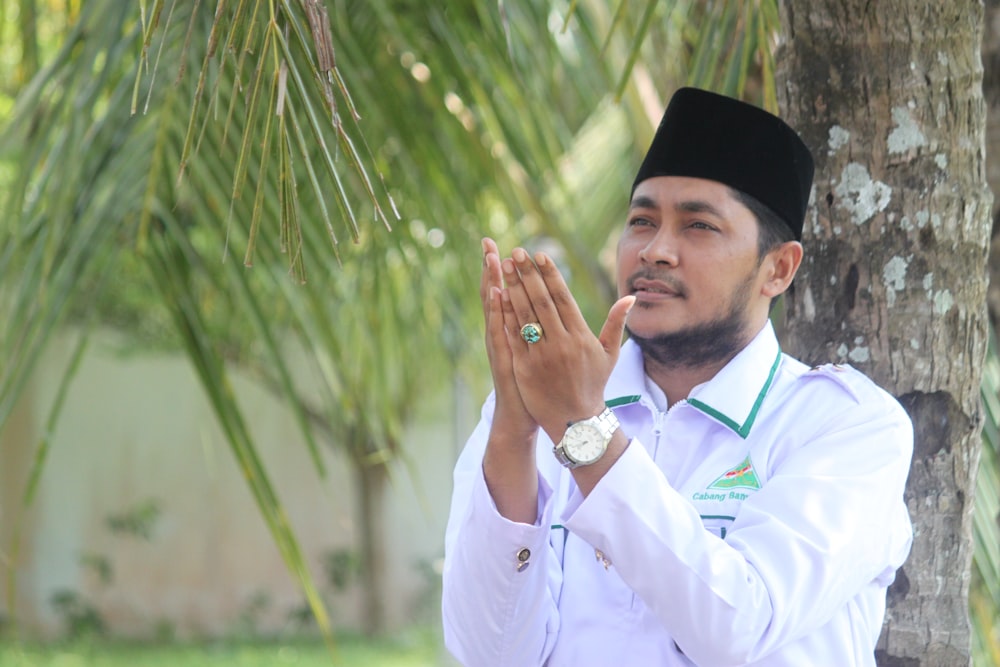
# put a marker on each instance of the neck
(677, 380)
(680, 362)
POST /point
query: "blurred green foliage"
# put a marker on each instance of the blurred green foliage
(418, 648)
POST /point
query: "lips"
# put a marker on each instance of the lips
(655, 288)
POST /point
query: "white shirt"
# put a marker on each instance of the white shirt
(758, 522)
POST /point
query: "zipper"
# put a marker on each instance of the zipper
(659, 418)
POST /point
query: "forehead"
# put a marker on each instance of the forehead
(675, 191)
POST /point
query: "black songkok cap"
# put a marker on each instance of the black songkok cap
(705, 135)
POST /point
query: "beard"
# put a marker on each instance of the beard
(705, 344)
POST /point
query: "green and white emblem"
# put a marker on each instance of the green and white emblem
(741, 476)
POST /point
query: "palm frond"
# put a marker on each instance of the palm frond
(149, 148)
(984, 594)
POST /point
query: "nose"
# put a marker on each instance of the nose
(661, 248)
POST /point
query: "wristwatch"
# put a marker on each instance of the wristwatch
(586, 441)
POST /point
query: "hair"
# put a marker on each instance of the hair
(772, 230)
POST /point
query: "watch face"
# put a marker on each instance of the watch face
(584, 443)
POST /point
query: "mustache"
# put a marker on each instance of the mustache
(650, 274)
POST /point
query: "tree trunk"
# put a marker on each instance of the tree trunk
(372, 480)
(889, 97)
(28, 27)
(991, 93)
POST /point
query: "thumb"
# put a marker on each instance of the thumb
(614, 326)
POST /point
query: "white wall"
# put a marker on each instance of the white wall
(138, 428)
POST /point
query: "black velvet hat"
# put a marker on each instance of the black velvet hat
(705, 135)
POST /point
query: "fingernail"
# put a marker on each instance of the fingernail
(508, 266)
(540, 259)
(519, 254)
(483, 245)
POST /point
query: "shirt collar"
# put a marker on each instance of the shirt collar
(732, 397)
(627, 382)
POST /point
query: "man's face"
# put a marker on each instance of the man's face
(689, 255)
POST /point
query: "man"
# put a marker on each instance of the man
(694, 497)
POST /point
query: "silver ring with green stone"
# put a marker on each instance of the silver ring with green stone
(531, 332)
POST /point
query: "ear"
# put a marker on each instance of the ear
(781, 264)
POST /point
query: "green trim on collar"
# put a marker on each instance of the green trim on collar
(622, 400)
(741, 430)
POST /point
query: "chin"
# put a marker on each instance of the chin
(641, 326)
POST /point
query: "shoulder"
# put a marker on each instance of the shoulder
(839, 376)
(838, 405)
(834, 384)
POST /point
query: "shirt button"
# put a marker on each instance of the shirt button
(522, 558)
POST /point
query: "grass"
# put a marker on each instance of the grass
(412, 651)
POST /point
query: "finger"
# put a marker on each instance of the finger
(483, 278)
(496, 337)
(537, 292)
(511, 323)
(558, 293)
(500, 355)
(614, 326)
(499, 345)
(491, 271)
(492, 275)
(491, 285)
(517, 297)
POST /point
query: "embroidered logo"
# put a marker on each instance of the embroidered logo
(741, 476)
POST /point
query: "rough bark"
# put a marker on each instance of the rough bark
(889, 97)
(991, 93)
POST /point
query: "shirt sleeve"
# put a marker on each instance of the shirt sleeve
(501, 578)
(828, 522)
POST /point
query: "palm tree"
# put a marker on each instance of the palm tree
(896, 253)
(184, 184)
(441, 121)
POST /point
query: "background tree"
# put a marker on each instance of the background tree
(991, 93)
(244, 148)
(984, 596)
(890, 99)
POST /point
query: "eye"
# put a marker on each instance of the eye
(639, 221)
(699, 224)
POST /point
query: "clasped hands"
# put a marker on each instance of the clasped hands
(560, 378)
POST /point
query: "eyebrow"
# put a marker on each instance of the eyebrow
(698, 206)
(642, 201)
(688, 206)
